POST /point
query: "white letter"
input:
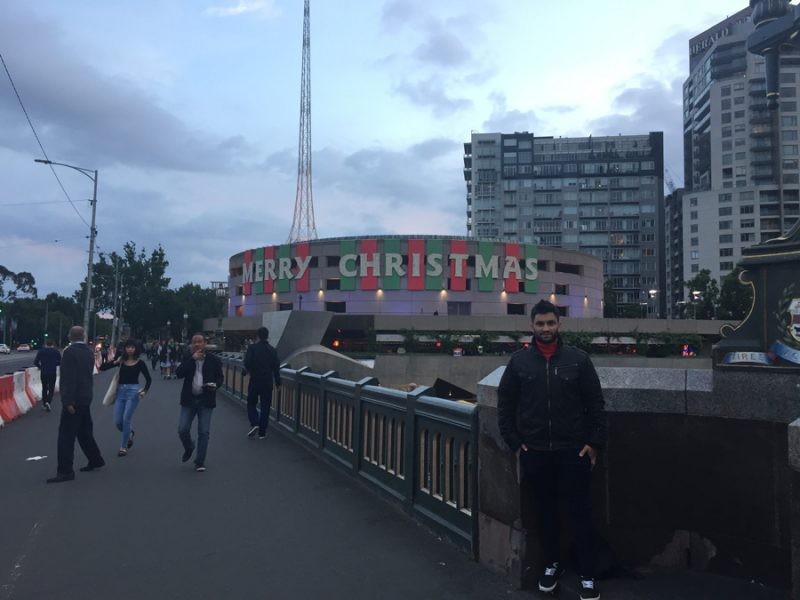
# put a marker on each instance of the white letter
(269, 269)
(415, 264)
(394, 265)
(434, 268)
(259, 275)
(247, 272)
(460, 261)
(374, 264)
(346, 271)
(483, 269)
(531, 269)
(512, 264)
(302, 265)
(284, 268)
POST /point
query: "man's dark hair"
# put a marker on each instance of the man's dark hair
(50, 343)
(543, 307)
(263, 334)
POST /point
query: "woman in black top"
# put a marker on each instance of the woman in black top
(128, 391)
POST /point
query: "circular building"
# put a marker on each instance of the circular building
(413, 275)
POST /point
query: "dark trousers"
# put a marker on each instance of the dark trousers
(48, 387)
(255, 392)
(562, 472)
(78, 426)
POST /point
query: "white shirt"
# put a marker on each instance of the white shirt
(197, 380)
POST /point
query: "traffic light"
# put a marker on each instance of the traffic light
(46, 334)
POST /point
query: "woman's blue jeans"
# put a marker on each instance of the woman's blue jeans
(124, 407)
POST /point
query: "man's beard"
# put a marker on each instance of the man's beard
(540, 338)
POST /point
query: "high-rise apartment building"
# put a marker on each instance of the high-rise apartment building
(741, 161)
(599, 195)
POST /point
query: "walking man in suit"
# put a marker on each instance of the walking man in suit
(47, 360)
(261, 362)
(77, 387)
(202, 375)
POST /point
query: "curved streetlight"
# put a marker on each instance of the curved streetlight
(91, 174)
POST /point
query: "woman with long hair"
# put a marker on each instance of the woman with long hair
(128, 391)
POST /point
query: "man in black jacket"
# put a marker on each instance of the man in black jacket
(77, 387)
(202, 375)
(551, 411)
(261, 362)
(47, 360)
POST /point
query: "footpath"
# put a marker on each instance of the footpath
(268, 520)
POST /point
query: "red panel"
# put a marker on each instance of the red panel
(370, 280)
(511, 284)
(416, 256)
(458, 283)
(248, 259)
(303, 284)
(269, 284)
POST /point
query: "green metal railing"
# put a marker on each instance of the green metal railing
(418, 449)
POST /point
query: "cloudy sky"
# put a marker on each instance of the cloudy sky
(189, 111)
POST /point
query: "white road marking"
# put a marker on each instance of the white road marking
(35, 458)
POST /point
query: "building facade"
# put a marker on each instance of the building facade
(673, 244)
(600, 195)
(396, 275)
(741, 161)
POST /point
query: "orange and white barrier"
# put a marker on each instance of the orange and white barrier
(8, 405)
(33, 384)
(20, 396)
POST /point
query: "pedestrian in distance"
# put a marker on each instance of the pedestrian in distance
(77, 387)
(261, 362)
(202, 375)
(128, 391)
(47, 360)
(551, 412)
(153, 354)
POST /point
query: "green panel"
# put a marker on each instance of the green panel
(258, 257)
(486, 250)
(531, 251)
(393, 282)
(434, 247)
(283, 285)
(347, 284)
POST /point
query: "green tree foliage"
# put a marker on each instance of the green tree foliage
(195, 301)
(703, 295)
(15, 285)
(609, 300)
(735, 297)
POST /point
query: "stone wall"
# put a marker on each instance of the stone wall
(700, 472)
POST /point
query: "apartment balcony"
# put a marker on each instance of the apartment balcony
(763, 160)
(761, 148)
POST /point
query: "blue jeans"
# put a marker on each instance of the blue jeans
(203, 414)
(124, 407)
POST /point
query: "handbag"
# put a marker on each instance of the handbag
(111, 393)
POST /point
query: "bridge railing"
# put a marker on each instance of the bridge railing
(418, 449)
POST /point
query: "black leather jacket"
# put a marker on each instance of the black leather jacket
(551, 404)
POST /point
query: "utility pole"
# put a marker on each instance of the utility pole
(46, 316)
(116, 304)
(92, 236)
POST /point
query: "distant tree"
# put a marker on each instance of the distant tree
(609, 300)
(196, 301)
(14, 285)
(735, 298)
(703, 295)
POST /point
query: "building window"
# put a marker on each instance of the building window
(695, 241)
(789, 136)
(333, 284)
(725, 211)
(693, 214)
(726, 104)
(789, 121)
(790, 149)
(725, 90)
(726, 266)
(739, 100)
(459, 308)
(694, 228)
(748, 237)
(726, 238)
(332, 261)
(726, 225)
(723, 252)
(285, 306)
(692, 201)
(515, 309)
(695, 268)
(747, 224)
(695, 254)
(337, 307)
(561, 289)
(725, 197)
(748, 209)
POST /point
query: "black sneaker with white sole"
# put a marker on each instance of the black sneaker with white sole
(199, 467)
(589, 590)
(548, 582)
(252, 433)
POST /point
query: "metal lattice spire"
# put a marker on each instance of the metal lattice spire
(303, 227)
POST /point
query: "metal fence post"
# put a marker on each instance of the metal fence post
(323, 406)
(411, 449)
(358, 418)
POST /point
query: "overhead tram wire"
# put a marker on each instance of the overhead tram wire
(47, 243)
(38, 141)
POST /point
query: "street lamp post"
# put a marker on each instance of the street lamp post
(169, 325)
(652, 294)
(91, 174)
(184, 331)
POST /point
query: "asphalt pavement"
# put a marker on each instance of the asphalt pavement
(267, 520)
